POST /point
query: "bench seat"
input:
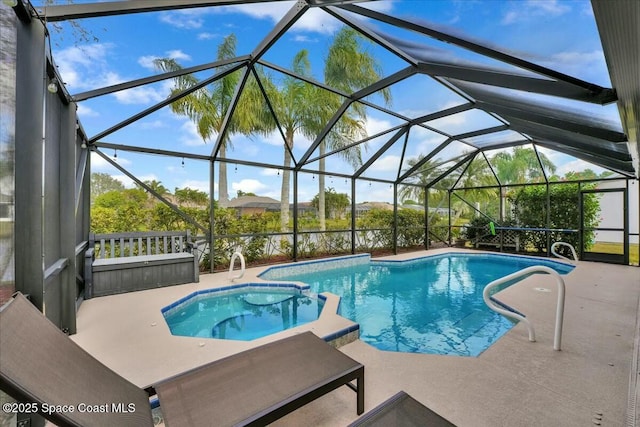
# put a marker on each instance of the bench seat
(169, 259)
(102, 264)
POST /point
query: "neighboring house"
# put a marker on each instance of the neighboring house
(362, 208)
(304, 208)
(250, 205)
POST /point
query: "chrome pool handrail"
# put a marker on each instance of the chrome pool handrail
(235, 255)
(570, 246)
(519, 275)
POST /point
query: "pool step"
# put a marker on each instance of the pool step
(473, 322)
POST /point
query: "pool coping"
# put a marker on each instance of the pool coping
(591, 373)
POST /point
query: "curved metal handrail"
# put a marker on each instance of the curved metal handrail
(242, 266)
(519, 275)
(570, 246)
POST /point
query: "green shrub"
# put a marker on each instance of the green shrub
(530, 210)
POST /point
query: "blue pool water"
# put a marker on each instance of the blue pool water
(244, 314)
(429, 305)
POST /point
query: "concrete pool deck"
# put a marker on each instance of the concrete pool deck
(513, 383)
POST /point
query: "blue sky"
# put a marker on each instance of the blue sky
(558, 34)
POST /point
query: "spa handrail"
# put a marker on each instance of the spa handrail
(520, 275)
(570, 246)
(236, 254)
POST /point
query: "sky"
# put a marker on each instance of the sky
(559, 34)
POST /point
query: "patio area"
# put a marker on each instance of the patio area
(592, 381)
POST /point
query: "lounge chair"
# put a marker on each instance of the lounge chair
(401, 410)
(41, 365)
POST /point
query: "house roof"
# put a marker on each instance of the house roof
(253, 202)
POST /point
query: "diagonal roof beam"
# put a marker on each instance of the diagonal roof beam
(622, 167)
(425, 159)
(551, 120)
(479, 132)
(508, 80)
(443, 113)
(224, 127)
(290, 18)
(153, 79)
(92, 10)
(362, 141)
(363, 29)
(505, 104)
(380, 152)
(384, 83)
(451, 169)
(583, 142)
(327, 128)
(166, 102)
(607, 94)
(302, 78)
(273, 114)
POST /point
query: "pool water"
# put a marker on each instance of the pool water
(241, 314)
(429, 305)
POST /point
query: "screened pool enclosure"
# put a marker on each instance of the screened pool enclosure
(383, 132)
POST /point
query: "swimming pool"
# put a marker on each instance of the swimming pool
(241, 313)
(427, 305)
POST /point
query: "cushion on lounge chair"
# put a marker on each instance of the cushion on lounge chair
(401, 410)
(41, 364)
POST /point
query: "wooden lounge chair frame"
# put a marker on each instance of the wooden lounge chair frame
(40, 365)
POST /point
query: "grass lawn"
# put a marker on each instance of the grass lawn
(616, 248)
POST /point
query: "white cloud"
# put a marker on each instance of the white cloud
(534, 9)
(274, 138)
(207, 36)
(300, 38)
(577, 165)
(84, 67)
(84, 111)
(272, 11)
(129, 183)
(189, 134)
(195, 184)
(387, 163)
(318, 21)
(374, 126)
(140, 95)
(380, 6)
(188, 19)
(147, 61)
(155, 124)
(249, 186)
(269, 172)
(98, 163)
(174, 170)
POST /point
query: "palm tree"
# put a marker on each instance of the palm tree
(157, 186)
(293, 105)
(207, 107)
(426, 173)
(477, 174)
(349, 67)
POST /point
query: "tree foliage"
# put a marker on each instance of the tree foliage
(336, 204)
(102, 183)
(530, 211)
